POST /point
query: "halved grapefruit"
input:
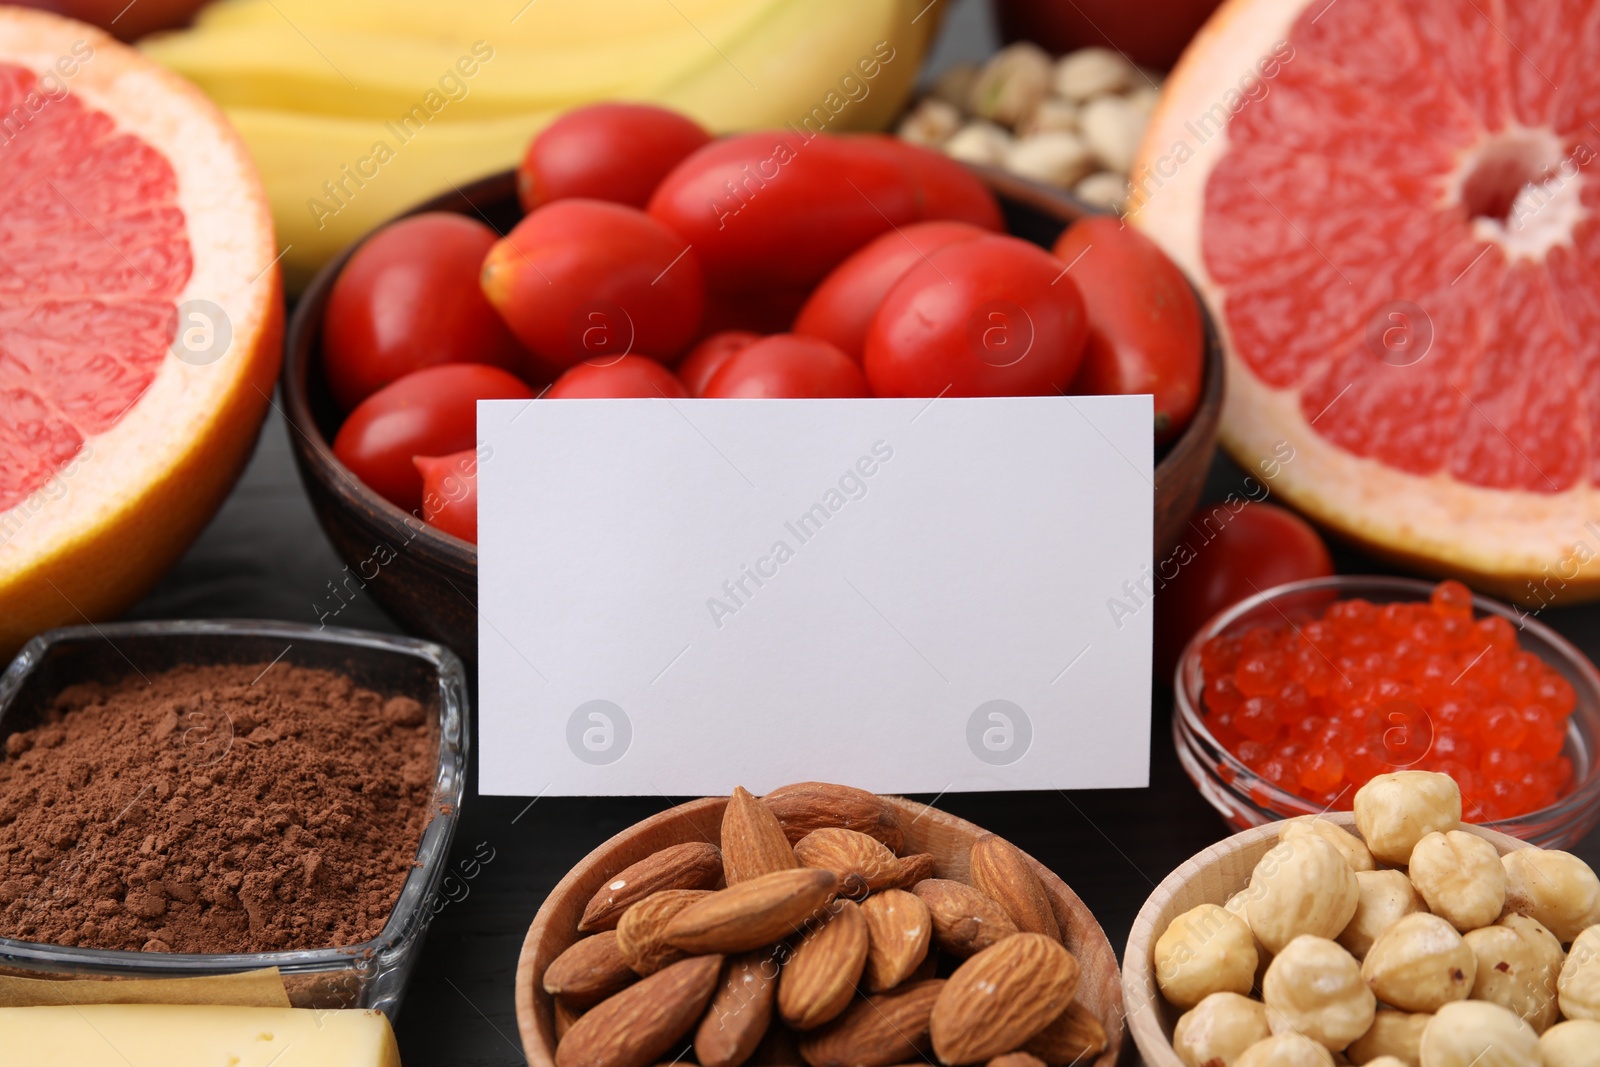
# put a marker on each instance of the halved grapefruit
(140, 317)
(1390, 205)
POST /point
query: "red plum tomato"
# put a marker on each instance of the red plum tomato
(786, 365)
(989, 317)
(1145, 331)
(615, 152)
(1232, 551)
(945, 188)
(409, 298)
(777, 210)
(430, 412)
(583, 279)
(705, 358)
(840, 309)
(626, 376)
(450, 493)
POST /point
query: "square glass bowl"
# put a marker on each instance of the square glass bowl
(372, 974)
(1246, 799)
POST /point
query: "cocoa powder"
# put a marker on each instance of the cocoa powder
(214, 809)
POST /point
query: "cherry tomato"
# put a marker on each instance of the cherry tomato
(787, 365)
(1145, 332)
(430, 412)
(945, 188)
(776, 210)
(1232, 552)
(993, 316)
(841, 308)
(706, 357)
(409, 298)
(450, 493)
(582, 279)
(615, 152)
(627, 376)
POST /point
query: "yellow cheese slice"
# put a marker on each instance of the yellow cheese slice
(163, 1035)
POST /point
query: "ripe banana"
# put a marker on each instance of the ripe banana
(357, 109)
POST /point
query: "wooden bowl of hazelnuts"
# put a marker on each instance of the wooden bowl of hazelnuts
(1390, 935)
(817, 924)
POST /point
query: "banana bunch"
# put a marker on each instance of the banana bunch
(357, 109)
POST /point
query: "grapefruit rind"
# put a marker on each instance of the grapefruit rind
(102, 531)
(1529, 547)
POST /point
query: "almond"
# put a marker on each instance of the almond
(808, 806)
(1073, 1036)
(884, 1029)
(819, 980)
(751, 914)
(898, 928)
(589, 971)
(695, 865)
(1000, 870)
(1001, 997)
(565, 1017)
(780, 1048)
(1016, 1059)
(740, 1011)
(641, 1023)
(964, 920)
(639, 934)
(753, 842)
(862, 863)
(913, 869)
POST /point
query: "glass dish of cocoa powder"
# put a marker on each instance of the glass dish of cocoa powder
(180, 799)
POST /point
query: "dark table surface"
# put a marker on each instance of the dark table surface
(265, 557)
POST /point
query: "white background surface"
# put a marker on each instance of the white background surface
(975, 566)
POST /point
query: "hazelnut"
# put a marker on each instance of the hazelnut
(1475, 1033)
(1383, 899)
(1570, 1044)
(931, 122)
(1420, 964)
(1303, 886)
(1351, 847)
(1557, 888)
(1285, 1050)
(1518, 964)
(1011, 84)
(1395, 811)
(1394, 1035)
(1314, 987)
(978, 142)
(1113, 128)
(1460, 876)
(1205, 950)
(1056, 158)
(1220, 1027)
(1579, 983)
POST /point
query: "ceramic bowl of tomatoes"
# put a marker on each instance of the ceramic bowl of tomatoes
(711, 269)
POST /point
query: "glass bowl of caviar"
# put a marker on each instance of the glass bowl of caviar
(1290, 701)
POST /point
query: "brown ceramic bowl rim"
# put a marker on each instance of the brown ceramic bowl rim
(536, 1036)
(303, 339)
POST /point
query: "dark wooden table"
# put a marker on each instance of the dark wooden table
(265, 557)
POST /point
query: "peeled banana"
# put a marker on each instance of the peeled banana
(358, 109)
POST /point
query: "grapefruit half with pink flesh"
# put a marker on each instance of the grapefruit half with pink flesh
(1390, 205)
(140, 320)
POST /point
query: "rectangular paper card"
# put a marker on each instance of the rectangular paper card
(910, 596)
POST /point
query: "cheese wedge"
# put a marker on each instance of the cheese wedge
(161, 1035)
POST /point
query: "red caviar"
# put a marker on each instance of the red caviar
(1319, 708)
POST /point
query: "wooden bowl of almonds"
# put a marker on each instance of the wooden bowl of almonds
(1390, 935)
(817, 924)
